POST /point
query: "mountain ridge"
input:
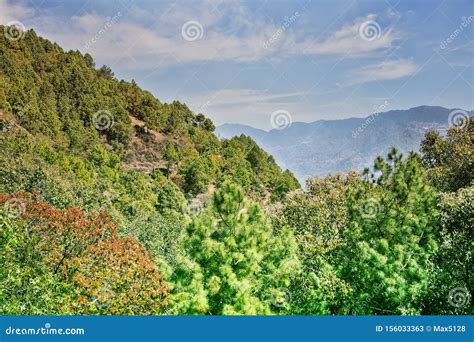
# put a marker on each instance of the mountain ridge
(329, 146)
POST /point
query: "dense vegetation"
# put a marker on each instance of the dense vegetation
(112, 202)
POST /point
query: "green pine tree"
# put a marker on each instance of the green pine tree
(234, 262)
(390, 238)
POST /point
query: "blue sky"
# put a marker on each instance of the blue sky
(242, 61)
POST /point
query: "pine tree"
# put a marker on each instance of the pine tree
(390, 238)
(234, 262)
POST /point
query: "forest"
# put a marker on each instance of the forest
(114, 203)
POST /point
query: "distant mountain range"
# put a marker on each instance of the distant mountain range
(329, 146)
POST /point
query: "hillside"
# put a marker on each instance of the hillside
(330, 146)
(75, 109)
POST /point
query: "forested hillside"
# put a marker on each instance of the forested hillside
(112, 202)
(61, 98)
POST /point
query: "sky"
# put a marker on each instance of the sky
(245, 61)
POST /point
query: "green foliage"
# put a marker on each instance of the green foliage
(171, 154)
(454, 259)
(205, 123)
(62, 96)
(105, 72)
(367, 244)
(318, 218)
(234, 262)
(169, 197)
(283, 184)
(450, 164)
(390, 239)
(450, 160)
(52, 148)
(49, 91)
(161, 234)
(27, 286)
(197, 173)
(254, 169)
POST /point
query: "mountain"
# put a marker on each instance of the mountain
(85, 115)
(330, 146)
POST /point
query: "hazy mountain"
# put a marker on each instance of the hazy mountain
(328, 146)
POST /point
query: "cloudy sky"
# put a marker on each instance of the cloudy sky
(242, 61)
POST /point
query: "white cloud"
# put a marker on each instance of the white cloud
(232, 97)
(149, 48)
(387, 70)
(254, 107)
(231, 33)
(13, 12)
(348, 40)
(251, 106)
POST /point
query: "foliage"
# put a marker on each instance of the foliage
(92, 233)
(197, 173)
(61, 95)
(88, 269)
(234, 262)
(254, 169)
(390, 238)
(450, 159)
(450, 164)
(366, 244)
(318, 218)
(454, 259)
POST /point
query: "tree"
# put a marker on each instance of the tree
(169, 197)
(266, 177)
(284, 184)
(234, 262)
(208, 125)
(390, 238)
(171, 155)
(451, 281)
(197, 173)
(450, 160)
(27, 285)
(106, 72)
(318, 218)
(120, 133)
(161, 234)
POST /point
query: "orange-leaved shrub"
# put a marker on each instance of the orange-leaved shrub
(98, 271)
